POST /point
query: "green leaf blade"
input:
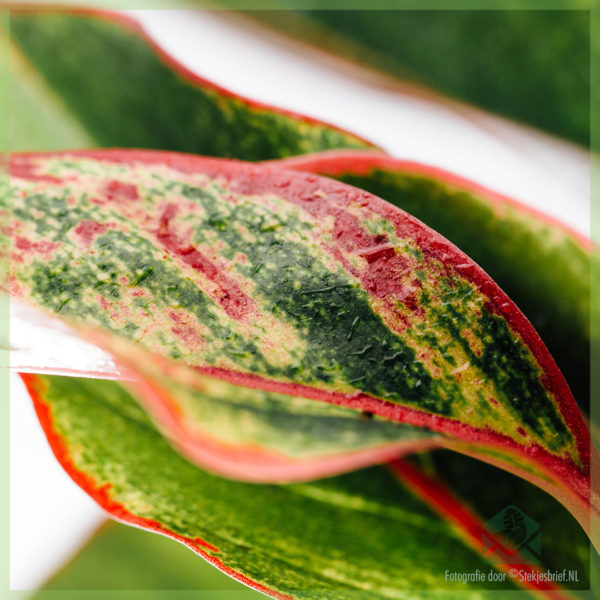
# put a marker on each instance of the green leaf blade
(354, 526)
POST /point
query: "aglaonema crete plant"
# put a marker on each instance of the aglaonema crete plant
(511, 243)
(272, 326)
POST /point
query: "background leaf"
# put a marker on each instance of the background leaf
(145, 562)
(530, 65)
(88, 78)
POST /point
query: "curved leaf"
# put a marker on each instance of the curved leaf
(362, 535)
(300, 286)
(253, 434)
(542, 265)
(240, 431)
(107, 83)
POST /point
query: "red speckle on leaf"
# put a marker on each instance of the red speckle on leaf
(24, 168)
(385, 267)
(118, 190)
(384, 275)
(103, 302)
(43, 247)
(188, 335)
(384, 251)
(180, 319)
(87, 230)
(412, 303)
(231, 298)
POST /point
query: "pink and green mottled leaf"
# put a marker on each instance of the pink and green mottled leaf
(363, 535)
(299, 286)
(84, 78)
(542, 265)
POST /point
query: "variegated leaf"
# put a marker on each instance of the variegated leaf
(299, 286)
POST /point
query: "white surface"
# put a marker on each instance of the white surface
(550, 175)
(50, 516)
(41, 341)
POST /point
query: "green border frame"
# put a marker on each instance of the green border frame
(4, 320)
(592, 5)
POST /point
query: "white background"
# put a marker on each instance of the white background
(50, 516)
